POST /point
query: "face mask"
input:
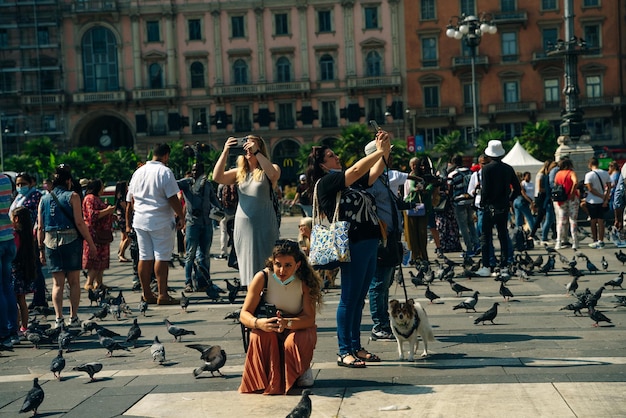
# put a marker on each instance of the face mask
(286, 282)
(23, 190)
(335, 170)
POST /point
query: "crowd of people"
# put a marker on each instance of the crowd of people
(66, 229)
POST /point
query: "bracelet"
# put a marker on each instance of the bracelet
(256, 152)
(255, 319)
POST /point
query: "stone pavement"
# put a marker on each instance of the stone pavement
(536, 361)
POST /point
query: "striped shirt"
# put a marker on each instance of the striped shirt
(6, 196)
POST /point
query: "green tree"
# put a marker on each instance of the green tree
(118, 165)
(539, 139)
(489, 135)
(447, 146)
(352, 140)
(84, 161)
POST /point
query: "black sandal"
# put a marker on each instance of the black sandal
(367, 357)
(357, 363)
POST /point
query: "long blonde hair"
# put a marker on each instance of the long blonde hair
(243, 167)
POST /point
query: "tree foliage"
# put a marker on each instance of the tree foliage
(539, 139)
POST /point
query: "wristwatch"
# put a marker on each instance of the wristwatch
(289, 324)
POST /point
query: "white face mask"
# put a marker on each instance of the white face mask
(286, 282)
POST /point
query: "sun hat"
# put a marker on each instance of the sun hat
(83, 182)
(371, 147)
(494, 149)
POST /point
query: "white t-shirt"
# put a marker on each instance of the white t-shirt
(594, 180)
(529, 187)
(151, 186)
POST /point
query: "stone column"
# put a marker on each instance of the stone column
(260, 34)
(134, 23)
(348, 33)
(170, 49)
(304, 41)
(217, 44)
(396, 23)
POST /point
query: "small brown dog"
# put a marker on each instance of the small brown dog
(408, 320)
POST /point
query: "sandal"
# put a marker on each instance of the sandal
(354, 364)
(151, 300)
(123, 259)
(367, 356)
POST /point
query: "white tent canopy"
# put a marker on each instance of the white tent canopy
(521, 160)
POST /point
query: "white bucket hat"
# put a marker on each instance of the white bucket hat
(494, 149)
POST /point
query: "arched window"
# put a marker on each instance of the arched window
(283, 70)
(100, 72)
(327, 67)
(240, 72)
(156, 76)
(373, 64)
(197, 75)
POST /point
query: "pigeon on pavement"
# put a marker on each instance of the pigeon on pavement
(134, 333)
(157, 350)
(110, 344)
(34, 398)
(430, 295)
(234, 315)
(213, 356)
(489, 315)
(106, 332)
(177, 332)
(458, 288)
(90, 368)
(57, 365)
(143, 306)
(572, 286)
(505, 292)
(233, 289)
(304, 407)
(184, 301)
(576, 307)
(597, 316)
(605, 264)
(616, 282)
(591, 267)
(102, 313)
(469, 303)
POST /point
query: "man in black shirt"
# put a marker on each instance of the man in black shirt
(500, 187)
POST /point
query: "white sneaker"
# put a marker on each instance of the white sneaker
(73, 322)
(58, 322)
(306, 380)
(484, 271)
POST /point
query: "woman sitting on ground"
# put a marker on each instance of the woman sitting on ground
(281, 346)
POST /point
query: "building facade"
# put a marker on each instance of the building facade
(136, 73)
(517, 79)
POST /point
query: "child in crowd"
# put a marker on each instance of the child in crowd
(23, 268)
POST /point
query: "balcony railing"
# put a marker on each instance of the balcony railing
(544, 56)
(264, 88)
(95, 97)
(43, 99)
(512, 107)
(147, 94)
(432, 112)
(518, 16)
(288, 87)
(94, 6)
(372, 82)
(462, 61)
(599, 101)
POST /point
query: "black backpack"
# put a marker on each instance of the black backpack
(558, 193)
(521, 240)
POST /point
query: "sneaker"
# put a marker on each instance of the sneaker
(14, 339)
(189, 289)
(306, 380)
(382, 335)
(6, 343)
(58, 322)
(484, 272)
(73, 322)
(600, 244)
(505, 273)
(596, 244)
(477, 249)
(136, 287)
(622, 244)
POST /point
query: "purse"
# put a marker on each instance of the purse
(329, 244)
(103, 237)
(419, 208)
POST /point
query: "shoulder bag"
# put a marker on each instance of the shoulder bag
(329, 244)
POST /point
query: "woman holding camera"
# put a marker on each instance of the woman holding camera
(282, 339)
(256, 226)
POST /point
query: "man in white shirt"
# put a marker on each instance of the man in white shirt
(598, 185)
(152, 203)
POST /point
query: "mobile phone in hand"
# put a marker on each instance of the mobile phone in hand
(270, 310)
(374, 125)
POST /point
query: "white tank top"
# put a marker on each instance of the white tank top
(288, 299)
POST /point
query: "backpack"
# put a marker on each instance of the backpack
(460, 185)
(229, 198)
(521, 240)
(558, 193)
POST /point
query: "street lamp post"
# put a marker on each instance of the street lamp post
(470, 29)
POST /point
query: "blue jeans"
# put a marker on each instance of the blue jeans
(379, 296)
(198, 239)
(8, 302)
(549, 220)
(522, 210)
(499, 220)
(356, 277)
(465, 220)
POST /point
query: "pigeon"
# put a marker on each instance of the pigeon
(303, 408)
(184, 301)
(214, 292)
(598, 316)
(417, 279)
(572, 286)
(430, 295)
(64, 339)
(605, 264)
(595, 297)
(34, 398)
(621, 300)
(57, 365)
(489, 315)
(93, 295)
(36, 338)
(621, 256)
(538, 262)
(502, 277)
(110, 344)
(89, 326)
(143, 306)
(213, 356)
(617, 282)
(576, 307)
(177, 332)
(233, 289)
(102, 313)
(157, 350)
(134, 333)
(43, 311)
(505, 292)
(457, 288)
(469, 303)
(591, 267)
(563, 259)
(90, 368)
(234, 315)
(548, 266)
(106, 332)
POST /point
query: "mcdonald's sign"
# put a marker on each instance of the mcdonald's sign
(288, 162)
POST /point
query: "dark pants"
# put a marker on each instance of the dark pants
(497, 218)
(39, 295)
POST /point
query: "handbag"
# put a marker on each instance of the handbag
(419, 209)
(329, 244)
(103, 237)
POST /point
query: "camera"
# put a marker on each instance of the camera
(270, 310)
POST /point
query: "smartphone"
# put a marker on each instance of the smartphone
(241, 141)
(374, 125)
(270, 310)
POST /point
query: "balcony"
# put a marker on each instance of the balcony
(543, 56)
(436, 112)
(374, 82)
(600, 101)
(154, 94)
(515, 107)
(42, 100)
(503, 18)
(95, 6)
(265, 88)
(466, 61)
(100, 97)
